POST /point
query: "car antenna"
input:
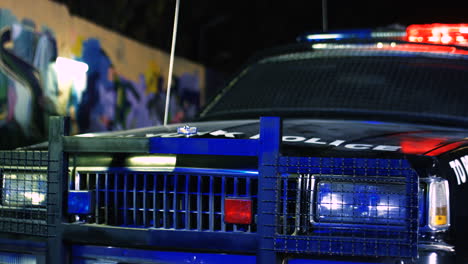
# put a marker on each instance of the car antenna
(171, 61)
(324, 16)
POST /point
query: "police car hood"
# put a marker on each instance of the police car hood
(326, 137)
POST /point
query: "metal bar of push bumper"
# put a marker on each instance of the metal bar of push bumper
(105, 144)
(129, 237)
(204, 146)
(270, 135)
(198, 146)
(235, 242)
(56, 185)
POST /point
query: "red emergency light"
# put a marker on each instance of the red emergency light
(238, 211)
(447, 34)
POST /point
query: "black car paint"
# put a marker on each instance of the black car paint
(323, 137)
(355, 138)
(458, 231)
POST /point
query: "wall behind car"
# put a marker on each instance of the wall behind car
(103, 80)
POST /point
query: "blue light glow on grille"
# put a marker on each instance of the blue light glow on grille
(348, 202)
(108, 255)
(15, 258)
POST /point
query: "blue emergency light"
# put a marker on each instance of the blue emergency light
(80, 202)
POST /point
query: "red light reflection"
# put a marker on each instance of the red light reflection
(428, 146)
(416, 145)
(444, 149)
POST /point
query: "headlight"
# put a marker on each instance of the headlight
(24, 189)
(358, 203)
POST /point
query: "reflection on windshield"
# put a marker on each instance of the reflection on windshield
(347, 81)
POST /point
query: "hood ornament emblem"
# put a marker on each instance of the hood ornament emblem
(187, 130)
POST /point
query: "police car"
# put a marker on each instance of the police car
(349, 147)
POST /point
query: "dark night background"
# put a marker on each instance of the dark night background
(223, 34)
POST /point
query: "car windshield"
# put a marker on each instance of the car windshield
(365, 83)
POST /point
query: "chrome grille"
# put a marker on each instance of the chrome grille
(178, 201)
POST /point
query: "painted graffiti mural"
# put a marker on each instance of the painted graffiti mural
(28, 80)
(87, 85)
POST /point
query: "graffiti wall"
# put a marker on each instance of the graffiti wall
(102, 80)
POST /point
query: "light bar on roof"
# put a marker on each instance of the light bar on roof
(344, 34)
(324, 36)
(354, 34)
(448, 34)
